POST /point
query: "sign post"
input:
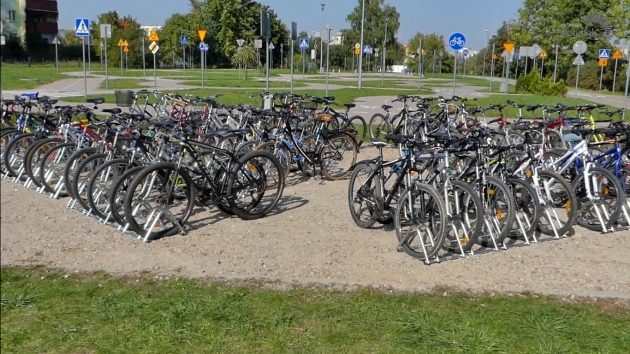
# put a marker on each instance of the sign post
(82, 29)
(154, 47)
(419, 52)
(144, 66)
(121, 44)
(603, 55)
(183, 40)
(56, 43)
(579, 48)
(327, 36)
(493, 56)
(294, 34)
(303, 47)
(456, 41)
(616, 55)
(106, 32)
(203, 48)
(240, 43)
(555, 66)
(543, 55)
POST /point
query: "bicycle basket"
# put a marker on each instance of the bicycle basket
(124, 98)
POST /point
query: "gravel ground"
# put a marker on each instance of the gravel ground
(311, 241)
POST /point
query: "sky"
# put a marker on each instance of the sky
(470, 17)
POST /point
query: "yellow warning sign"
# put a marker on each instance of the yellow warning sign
(543, 54)
(153, 36)
(126, 49)
(356, 51)
(202, 34)
(121, 42)
(602, 62)
(617, 54)
(508, 46)
(125, 43)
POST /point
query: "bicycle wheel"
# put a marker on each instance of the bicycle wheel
(52, 165)
(118, 194)
(365, 196)
(6, 137)
(420, 221)
(159, 199)
(357, 128)
(465, 211)
(603, 207)
(559, 204)
(71, 167)
(338, 156)
(254, 188)
(15, 153)
(379, 127)
(34, 157)
(280, 152)
(500, 211)
(100, 184)
(528, 210)
(82, 175)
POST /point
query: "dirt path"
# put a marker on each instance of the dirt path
(313, 240)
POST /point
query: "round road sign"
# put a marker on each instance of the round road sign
(579, 47)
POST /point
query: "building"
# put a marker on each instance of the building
(24, 19)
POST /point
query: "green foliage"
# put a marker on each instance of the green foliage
(126, 28)
(45, 311)
(532, 83)
(377, 17)
(244, 58)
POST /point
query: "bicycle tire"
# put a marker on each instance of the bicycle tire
(52, 164)
(15, 153)
(504, 212)
(364, 186)
(82, 175)
(431, 211)
(527, 205)
(615, 202)
(335, 149)
(469, 217)
(379, 127)
(73, 163)
(160, 190)
(118, 194)
(558, 194)
(358, 128)
(251, 173)
(34, 156)
(105, 175)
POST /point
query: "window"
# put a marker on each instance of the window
(12, 15)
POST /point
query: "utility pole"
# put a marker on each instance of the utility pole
(485, 54)
(360, 85)
(321, 44)
(384, 65)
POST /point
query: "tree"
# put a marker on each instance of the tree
(244, 57)
(126, 28)
(377, 16)
(432, 44)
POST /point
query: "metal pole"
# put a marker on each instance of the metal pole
(327, 59)
(202, 67)
(321, 44)
(627, 78)
(455, 74)
(384, 65)
(57, 55)
(615, 76)
(361, 49)
(601, 77)
(121, 61)
(492, 66)
(281, 55)
(154, 72)
(433, 70)
(84, 69)
(100, 52)
(485, 53)
(526, 63)
(88, 54)
(542, 68)
(506, 73)
(183, 56)
(420, 64)
(303, 63)
(555, 66)
(144, 69)
(126, 62)
(267, 63)
(577, 79)
(292, 65)
(517, 65)
(106, 72)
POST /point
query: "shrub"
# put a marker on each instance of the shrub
(532, 83)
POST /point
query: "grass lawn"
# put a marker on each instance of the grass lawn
(46, 311)
(228, 83)
(23, 77)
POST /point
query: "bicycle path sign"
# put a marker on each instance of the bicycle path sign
(457, 41)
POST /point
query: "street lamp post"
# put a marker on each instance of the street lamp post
(321, 44)
(384, 54)
(361, 49)
(485, 54)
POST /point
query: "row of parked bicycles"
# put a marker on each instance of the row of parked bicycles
(147, 173)
(461, 180)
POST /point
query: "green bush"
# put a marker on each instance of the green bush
(532, 83)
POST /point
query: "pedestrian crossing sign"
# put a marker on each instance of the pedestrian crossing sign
(82, 27)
